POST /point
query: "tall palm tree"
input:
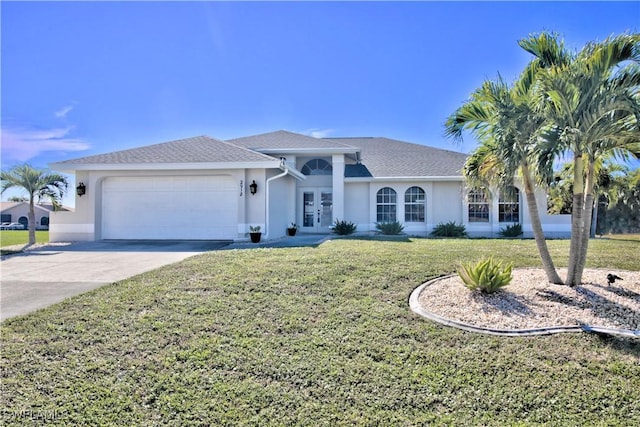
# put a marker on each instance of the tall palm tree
(592, 102)
(503, 120)
(38, 184)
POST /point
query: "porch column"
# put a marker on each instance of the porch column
(338, 186)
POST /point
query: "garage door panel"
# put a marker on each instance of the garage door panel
(170, 208)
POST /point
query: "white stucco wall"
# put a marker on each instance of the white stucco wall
(281, 206)
(356, 204)
(446, 203)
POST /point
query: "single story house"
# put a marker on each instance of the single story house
(19, 212)
(209, 189)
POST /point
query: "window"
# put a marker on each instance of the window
(386, 205)
(414, 200)
(478, 205)
(317, 167)
(24, 221)
(44, 221)
(6, 218)
(509, 205)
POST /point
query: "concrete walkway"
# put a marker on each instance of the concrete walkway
(44, 276)
(298, 240)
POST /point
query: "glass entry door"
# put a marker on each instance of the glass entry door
(317, 210)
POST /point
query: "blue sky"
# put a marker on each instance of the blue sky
(81, 78)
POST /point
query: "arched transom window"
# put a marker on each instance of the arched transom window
(317, 167)
(414, 203)
(386, 205)
(509, 205)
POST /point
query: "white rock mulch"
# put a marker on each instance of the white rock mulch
(530, 301)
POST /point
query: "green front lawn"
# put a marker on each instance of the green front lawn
(20, 237)
(309, 336)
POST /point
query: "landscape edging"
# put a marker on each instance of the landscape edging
(416, 307)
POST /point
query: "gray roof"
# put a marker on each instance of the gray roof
(199, 149)
(384, 157)
(283, 140)
(5, 206)
(380, 157)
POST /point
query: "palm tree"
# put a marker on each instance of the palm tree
(37, 183)
(503, 120)
(592, 103)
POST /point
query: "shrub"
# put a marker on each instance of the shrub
(390, 227)
(488, 276)
(514, 230)
(343, 227)
(449, 229)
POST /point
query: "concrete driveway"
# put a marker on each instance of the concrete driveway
(42, 277)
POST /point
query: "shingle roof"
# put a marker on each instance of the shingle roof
(380, 157)
(4, 206)
(384, 157)
(199, 149)
(283, 139)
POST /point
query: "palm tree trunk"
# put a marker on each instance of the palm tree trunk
(576, 219)
(32, 222)
(536, 226)
(587, 219)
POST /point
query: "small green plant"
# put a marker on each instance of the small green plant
(488, 275)
(514, 230)
(254, 229)
(390, 228)
(449, 229)
(343, 228)
(293, 226)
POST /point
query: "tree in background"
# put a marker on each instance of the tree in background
(619, 204)
(617, 191)
(38, 184)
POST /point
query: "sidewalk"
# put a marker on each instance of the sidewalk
(298, 240)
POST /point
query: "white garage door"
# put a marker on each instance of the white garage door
(156, 208)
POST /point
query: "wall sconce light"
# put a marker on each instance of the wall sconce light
(81, 190)
(253, 187)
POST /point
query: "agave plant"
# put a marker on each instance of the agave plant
(487, 275)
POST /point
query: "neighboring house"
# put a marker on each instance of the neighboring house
(200, 188)
(19, 212)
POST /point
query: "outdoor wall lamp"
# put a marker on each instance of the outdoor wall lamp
(81, 190)
(253, 187)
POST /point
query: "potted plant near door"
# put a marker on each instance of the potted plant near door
(292, 229)
(255, 233)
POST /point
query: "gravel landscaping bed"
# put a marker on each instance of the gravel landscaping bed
(530, 301)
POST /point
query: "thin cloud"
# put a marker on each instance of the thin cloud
(318, 133)
(19, 144)
(62, 113)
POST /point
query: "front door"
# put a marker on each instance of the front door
(316, 210)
